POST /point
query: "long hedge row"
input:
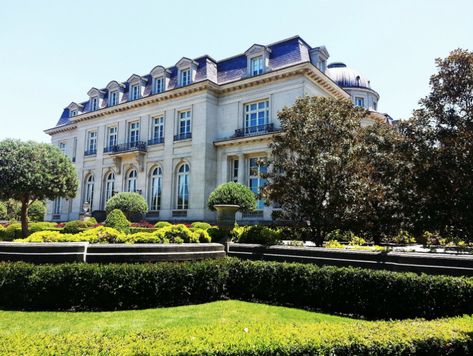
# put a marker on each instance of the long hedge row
(367, 293)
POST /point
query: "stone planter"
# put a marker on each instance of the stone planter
(226, 220)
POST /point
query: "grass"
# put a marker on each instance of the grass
(224, 327)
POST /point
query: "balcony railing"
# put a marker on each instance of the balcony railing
(139, 146)
(183, 136)
(90, 152)
(156, 141)
(254, 130)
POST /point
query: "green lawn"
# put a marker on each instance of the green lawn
(225, 327)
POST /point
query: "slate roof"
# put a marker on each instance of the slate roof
(282, 54)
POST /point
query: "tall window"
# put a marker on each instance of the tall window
(256, 65)
(89, 190)
(256, 167)
(158, 86)
(184, 124)
(235, 167)
(256, 116)
(156, 182)
(92, 142)
(135, 92)
(112, 136)
(113, 98)
(183, 187)
(133, 133)
(359, 101)
(131, 181)
(158, 129)
(185, 77)
(62, 147)
(94, 104)
(109, 186)
(57, 206)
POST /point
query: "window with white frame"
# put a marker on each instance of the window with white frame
(156, 183)
(73, 113)
(135, 92)
(57, 206)
(183, 187)
(109, 186)
(375, 105)
(157, 133)
(256, 65)
(359, 101)
(113, 99)
(235, 166)
(62, 147)
(92, 142)
(89, 190)
(131, 181)
(256, 116)
(257, 167)
(185, 76)
(94, 104)
(133, 133)
(112, 136)
(158, 85)
(184, 124)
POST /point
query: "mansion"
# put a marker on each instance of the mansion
(177, 132)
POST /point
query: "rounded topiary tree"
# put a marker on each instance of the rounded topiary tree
(129, 203)
(117, 220)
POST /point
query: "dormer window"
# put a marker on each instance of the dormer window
(360, 102)
(135, 92)
(94, 104)
(75, 109)
(113, 99)
(185, 78)
(160, 77)
(158, 85)
(256, 65)
(73, 113)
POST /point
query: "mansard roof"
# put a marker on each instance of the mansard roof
(281, 54)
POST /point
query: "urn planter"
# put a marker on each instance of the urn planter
(226, 220)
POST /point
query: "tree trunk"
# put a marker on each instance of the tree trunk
(24, 216)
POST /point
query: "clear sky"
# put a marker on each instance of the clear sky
(52, 52)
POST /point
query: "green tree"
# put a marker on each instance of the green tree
(129, 203)
(317, 177)
(31, 171)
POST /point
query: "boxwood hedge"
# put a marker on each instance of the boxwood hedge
(367, 293)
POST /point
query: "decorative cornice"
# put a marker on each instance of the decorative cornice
(232, 141)
(59, 129)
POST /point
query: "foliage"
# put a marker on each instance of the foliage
(404, 238)
(258, 234)
(117, 219)
(235, 194)
(101, 234)
(41, 226)
(161, 224)
(11, 232)
(3, 211)
(143, 238)
(201, 225)
(128, 202)
(37, 210)
(333, 244)
(201, 235)
(216, 234)
(75, 226)
(177, 234)
(32, 171)
(49, 236)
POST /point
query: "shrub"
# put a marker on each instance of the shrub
(41, 226)
(176, 234)
(102, 234)
(430, 238)
(202, 235)
(74, 226)
(216, 234)
(129, 203)
(404, 238)
(134, 230)
(99, 215)
(233, 193)
(201, 225)
(37, 210)
(143, 223)
(372, 294)
(333, 244)
(340, 235)
(258, 234)
(117, 220)
(3, 211)
(11, 232)
(91, 222)
(49, 236)
(143, 238)
(357, 241)
(161, 224)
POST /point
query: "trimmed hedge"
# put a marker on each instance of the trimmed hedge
(367, 293)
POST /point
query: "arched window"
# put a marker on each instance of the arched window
(183, 187)
(156, 184)
(131, 181)
(89, 190)
(109, 186)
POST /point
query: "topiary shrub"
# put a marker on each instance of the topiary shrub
(91, 222)
(161, 224)
(129, 203)
(117, 220)
(201, 225)
(37, 210)
(235, 194)
(177, 234)
(202, 235)
(144, 238)
(74, 226)
(102, 234)
(258, 234)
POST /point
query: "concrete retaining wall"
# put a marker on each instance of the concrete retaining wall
(104, 253)
(456, 265)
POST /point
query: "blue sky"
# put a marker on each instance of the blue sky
(53, 52)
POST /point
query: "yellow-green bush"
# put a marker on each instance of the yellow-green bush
(161, 224)
(177, 234)
(333, 244)
(202, 235)
(201, 225)
(49, 236)
(102, 234)
(143, 237)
